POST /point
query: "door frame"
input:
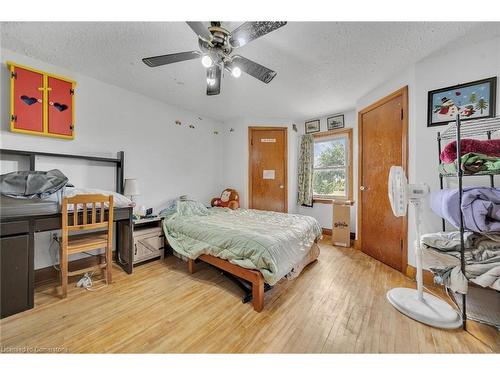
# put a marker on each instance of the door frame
(403, 92)
(251, 129)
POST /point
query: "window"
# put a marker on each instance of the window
(332, 165)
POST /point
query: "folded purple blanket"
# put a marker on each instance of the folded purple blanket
(480, 207)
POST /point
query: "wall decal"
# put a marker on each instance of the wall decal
(191, 126)
(177, 122)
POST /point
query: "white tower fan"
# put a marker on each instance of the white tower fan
(416, 304)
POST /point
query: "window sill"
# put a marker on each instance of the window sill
(323, 200)
(329, 200)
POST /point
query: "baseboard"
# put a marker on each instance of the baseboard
(411, 272)
(49, 274)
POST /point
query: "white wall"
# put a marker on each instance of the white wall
(323, 212)
(235, 156)
(459, 63)
(482, 60)
(168, 160)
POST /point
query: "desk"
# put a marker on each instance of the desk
(17, 243)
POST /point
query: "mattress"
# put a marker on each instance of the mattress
(12, 207)
(273, 243)
(16, 207)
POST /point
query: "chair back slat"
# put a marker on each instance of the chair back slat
(93, 213)
(85, 205)
(102, 211)
(84, 213)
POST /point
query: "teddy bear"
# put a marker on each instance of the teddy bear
(229, 198)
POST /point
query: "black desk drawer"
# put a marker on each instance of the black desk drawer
(15, 278)
(14, 227)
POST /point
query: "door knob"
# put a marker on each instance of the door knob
(281, 186)
(362, 188)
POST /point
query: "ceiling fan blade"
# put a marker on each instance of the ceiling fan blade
(170, 59)
(214, 78)
(252, 30)
(250, 67)
(199, 29)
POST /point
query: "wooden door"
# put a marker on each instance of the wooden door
(268, 169)
(60, 109)
(382, 144)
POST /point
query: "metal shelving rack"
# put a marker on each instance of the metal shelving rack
(473, 129)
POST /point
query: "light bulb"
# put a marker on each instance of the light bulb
(236, 72)
(207, 61)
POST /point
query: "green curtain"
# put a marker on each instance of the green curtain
(305, 172)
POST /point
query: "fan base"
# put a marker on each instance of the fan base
(431, 311)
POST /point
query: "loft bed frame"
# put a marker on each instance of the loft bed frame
(123, 255)
(25, 227)
(472, 129)
(118, 161)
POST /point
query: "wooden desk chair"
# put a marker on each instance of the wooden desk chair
(87, 214)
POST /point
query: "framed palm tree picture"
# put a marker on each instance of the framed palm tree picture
(473, 100)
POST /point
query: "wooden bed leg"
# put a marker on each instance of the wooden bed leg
(191, 265)
(258, 294)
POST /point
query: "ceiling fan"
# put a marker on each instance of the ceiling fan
(216, 45)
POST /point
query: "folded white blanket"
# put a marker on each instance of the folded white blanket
(442, 256)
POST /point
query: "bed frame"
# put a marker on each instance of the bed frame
(252, 276)
(235, 273)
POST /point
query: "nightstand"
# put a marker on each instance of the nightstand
(149, 240)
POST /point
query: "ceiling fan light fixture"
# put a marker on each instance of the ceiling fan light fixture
(236, 72)
(207, 61)
(216, 44)
(211, 78)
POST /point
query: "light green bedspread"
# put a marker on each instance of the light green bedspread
(271, 242)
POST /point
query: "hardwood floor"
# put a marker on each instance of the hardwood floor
(337, 305)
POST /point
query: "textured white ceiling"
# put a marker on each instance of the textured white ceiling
(322, 67)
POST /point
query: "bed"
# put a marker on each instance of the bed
(261, 247)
